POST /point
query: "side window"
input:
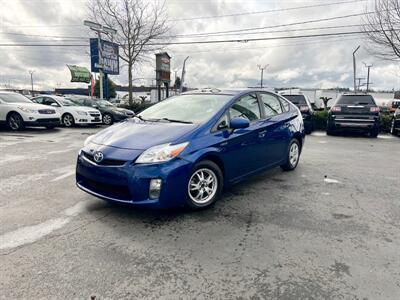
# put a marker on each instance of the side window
(48, 101)
(285, 105)
(246, 107)
(223, 123)
(86, 102)
(272, 105)
(38, 100)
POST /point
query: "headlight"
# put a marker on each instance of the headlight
(83, 113)
(161, 153)
(27, 110)
(88, 140)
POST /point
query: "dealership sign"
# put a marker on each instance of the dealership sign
(163, 66)
(79, 74)
(109, 54)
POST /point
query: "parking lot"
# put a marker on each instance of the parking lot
(330, 229)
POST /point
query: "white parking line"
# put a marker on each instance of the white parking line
(65, 175)
(31, 234)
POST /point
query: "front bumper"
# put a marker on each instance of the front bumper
(88, 119)
(128, 183)
(44, 122)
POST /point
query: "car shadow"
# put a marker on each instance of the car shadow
(29, 130)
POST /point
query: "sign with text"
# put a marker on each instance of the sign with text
(79, 74)
(109, 54)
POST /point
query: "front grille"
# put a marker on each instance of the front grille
(94, 114)
(104, 162)
(56, 120)
(108, 190)
(46, 111)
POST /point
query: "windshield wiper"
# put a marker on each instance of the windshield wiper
(176, 121)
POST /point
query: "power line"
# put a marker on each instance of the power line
(266, 11)
(275, 26)
(204, 42)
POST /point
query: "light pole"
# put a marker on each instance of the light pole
(31, 72)
(368, 67)
(262, 73)
(99, 29)
(183, 75)
(354, 69)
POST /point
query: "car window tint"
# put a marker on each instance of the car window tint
(272, 105)
(296, 99)
(356, 100)
(246, 107)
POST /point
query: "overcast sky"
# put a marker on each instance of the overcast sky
(312, 62)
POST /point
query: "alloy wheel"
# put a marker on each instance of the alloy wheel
(107, 119)
(14, 122)
(68, 120)
(202, 186)
(294, 154)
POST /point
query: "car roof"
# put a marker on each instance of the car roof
(227, 91)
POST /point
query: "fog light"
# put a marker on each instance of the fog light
(155, 188)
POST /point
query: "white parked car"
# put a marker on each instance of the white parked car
(17, 111)
(71, 113)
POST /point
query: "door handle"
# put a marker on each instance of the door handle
(262, 133)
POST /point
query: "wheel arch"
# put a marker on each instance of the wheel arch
(299, 137)
(12, 112)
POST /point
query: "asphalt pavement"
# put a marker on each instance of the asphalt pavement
(328, 230)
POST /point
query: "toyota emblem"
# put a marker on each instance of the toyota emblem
(98, 157)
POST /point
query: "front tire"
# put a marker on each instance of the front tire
(205, 185)
(107, 119)
(68, 120)
(15, 122)
(293, 156)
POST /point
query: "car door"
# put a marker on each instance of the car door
(3, 111)
(276, 123)
(241, 148)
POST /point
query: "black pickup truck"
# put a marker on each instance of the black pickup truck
(354, 112)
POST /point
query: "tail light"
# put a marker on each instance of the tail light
(336, 109)
(304, 108)
(374, 109)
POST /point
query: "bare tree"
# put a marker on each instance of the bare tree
(138, 23)
(382, 28)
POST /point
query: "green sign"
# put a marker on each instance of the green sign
(79, 74)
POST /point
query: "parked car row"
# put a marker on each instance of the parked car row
(18, 111)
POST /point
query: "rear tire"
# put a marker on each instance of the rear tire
(15, 122)
(205, 185)
(292, 156)
(374, 132)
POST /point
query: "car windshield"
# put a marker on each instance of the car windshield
(356, 100)
(193, 108)
(14, 98)
(296, 99)
(104, 103)
(66, 102)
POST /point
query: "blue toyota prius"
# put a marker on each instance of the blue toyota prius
(184, 150)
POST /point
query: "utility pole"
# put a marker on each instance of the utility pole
(368, 68)
(183, 75)
(262, 73)
(354, 68)
(359, 82)
(99, 29)
(31, 72)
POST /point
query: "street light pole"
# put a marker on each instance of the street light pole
(354, 69)
(368, 68)
(262, 73)
(31, 72)
(183, 75)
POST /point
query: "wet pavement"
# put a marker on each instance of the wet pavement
(330, 229)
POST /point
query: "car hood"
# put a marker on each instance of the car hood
(139, 135)
(32, 105)
(117, 109)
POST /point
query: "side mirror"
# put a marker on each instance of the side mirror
(54, 104)
(237, 123)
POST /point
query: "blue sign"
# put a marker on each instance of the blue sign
(109, 53)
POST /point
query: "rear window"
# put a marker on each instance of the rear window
(296, 99)
(356, 100)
